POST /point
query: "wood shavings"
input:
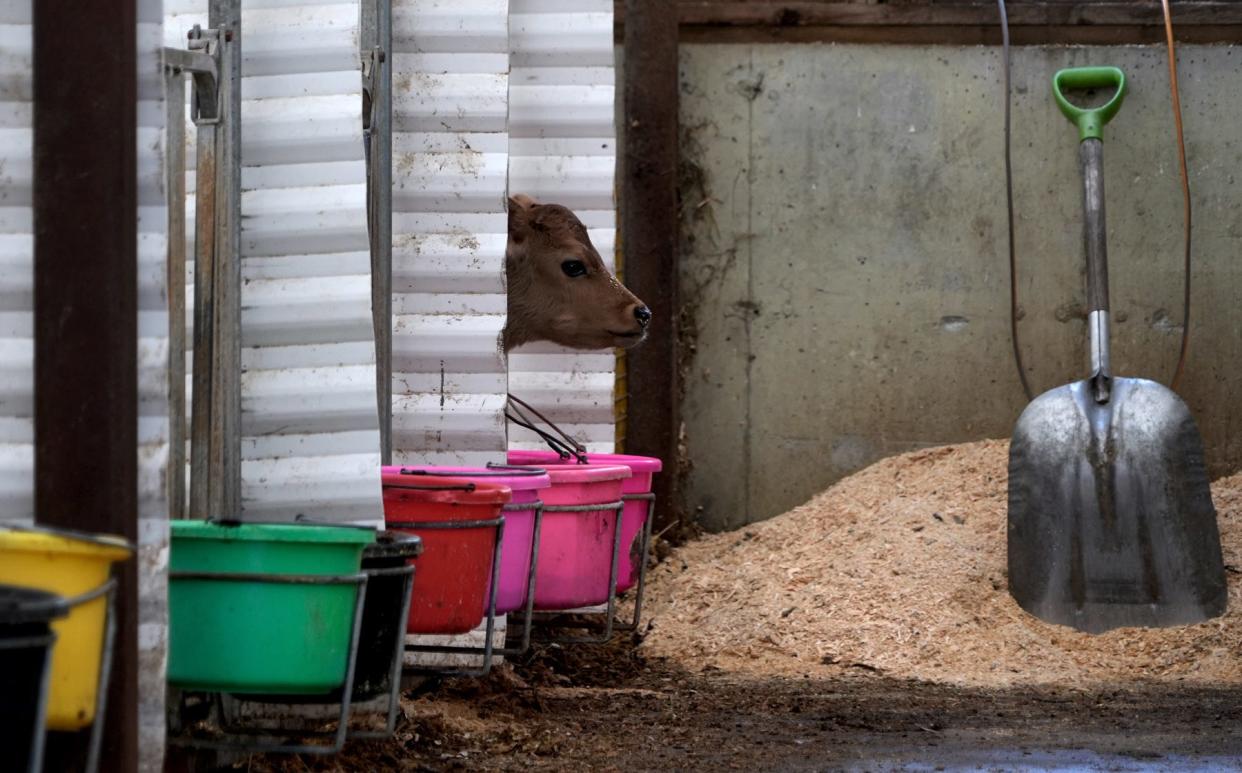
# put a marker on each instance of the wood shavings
(900, 569)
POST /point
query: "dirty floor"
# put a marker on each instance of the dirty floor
(611, 709)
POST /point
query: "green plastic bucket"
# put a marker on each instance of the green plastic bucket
(262, 634)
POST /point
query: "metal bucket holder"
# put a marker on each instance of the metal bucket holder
(527, 615)
(487, 649)
(644, 547)
(569, 448)
(255, 739)
(108, 589)
(394, 694)
(30, 642)
(551, 619)
(500, 471)
(394, 672)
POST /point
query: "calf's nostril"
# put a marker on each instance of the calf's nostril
(643, 315)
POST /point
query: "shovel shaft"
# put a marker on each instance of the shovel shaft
(1091, 157)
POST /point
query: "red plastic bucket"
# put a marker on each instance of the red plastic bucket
(455, 570)
(633, 518)
(575, 548)
(516, 542)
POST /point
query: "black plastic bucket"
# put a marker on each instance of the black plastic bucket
(26, 640)
(382, 623)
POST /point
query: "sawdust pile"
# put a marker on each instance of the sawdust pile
(900, 569)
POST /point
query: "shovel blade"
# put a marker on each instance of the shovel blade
(1111, 522)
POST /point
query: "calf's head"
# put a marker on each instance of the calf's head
(559, 288)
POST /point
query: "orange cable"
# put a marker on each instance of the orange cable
(1181, 153)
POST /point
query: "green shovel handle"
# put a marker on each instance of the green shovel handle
(1090, 121)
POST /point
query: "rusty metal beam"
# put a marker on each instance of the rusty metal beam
(225, 454)
(950, 21)
(86, 311)
(649, 235)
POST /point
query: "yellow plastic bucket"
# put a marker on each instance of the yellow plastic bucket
(67, 564)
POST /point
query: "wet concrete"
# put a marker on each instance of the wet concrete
(609, 709)
(967, 760)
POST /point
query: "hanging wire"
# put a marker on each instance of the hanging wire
(1013, 259)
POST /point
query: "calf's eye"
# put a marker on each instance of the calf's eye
(574, 268)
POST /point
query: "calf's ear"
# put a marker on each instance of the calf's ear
(520, 206)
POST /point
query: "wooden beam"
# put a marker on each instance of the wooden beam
(86, 311)
(649, 236)
(951, 21)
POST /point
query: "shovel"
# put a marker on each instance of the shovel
(1111, 522)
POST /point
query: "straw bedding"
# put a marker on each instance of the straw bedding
(900, 569)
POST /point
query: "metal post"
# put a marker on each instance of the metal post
(649, 236)
(376, 45)
(215, 449)
(225, 15)
(86, 312)
(174, 102)
(201, 467)
(202, 60)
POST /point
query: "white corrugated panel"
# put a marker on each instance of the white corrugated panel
(310, 423)
(16, 331)
(563, 150)
(153, 427)
(450, 167)
(16, 264)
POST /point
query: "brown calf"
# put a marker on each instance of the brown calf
(559, 288)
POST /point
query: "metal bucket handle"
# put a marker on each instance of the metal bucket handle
(566, 446)
(449, 487)
(493, 471)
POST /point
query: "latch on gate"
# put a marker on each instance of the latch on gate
(202, 62)
(372, 62)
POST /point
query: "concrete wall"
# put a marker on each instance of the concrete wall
(844, 261)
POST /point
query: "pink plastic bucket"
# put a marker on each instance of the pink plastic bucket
(633, 518)
(575, 548)
(515, 543)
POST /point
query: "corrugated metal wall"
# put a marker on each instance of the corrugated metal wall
(563, 150)
(450, 163)
(16, 265)
(16, 333)
(309, 420)
(311, 439)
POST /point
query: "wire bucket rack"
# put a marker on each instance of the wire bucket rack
(281, 723)
(600, 621)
